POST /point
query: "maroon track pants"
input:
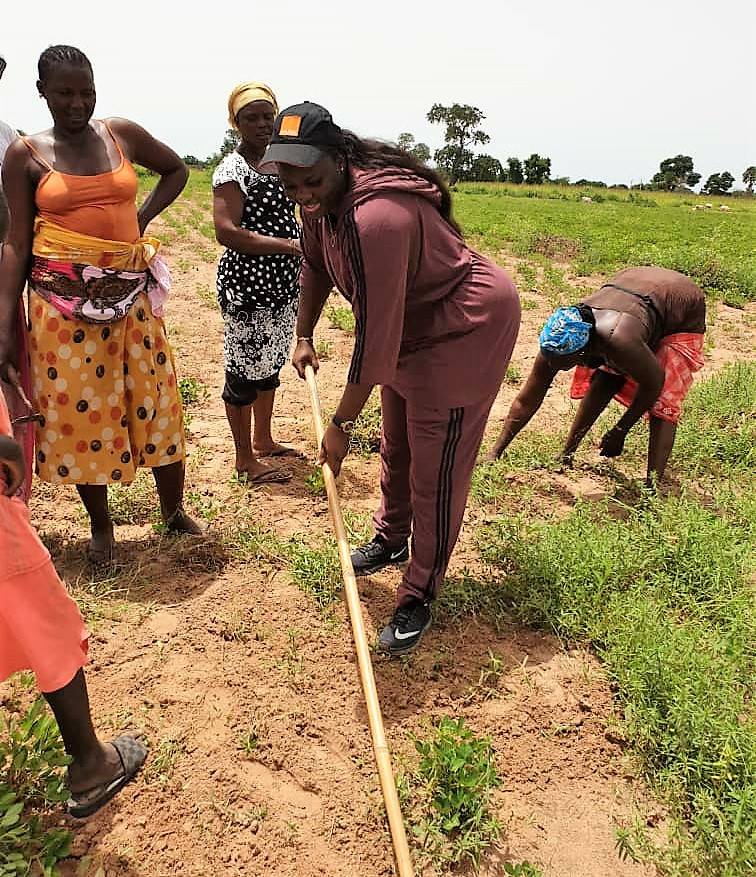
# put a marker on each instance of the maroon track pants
(427, 460)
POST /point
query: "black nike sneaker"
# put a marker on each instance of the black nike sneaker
(405, 630)
(376, 555)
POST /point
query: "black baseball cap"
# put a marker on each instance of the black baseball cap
(300, 134)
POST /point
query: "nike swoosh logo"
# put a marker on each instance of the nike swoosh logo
(407, 635)
(396, 555)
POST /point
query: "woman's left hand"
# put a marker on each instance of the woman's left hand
(613, 443)
(334, 448)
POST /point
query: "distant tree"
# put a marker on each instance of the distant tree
(537, 169)
(462, 132)
(676, 173)
(485, 169)
(749, 178)
(420, 151)
(192, 161)
(560, 181)
(231, 140)
(454, 162)
(718, 184)
(514, 172)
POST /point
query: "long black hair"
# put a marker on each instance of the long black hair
(375, 154)
(56, 56)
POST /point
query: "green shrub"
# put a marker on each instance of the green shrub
(341, 318)
(448, 796)
(31, 786)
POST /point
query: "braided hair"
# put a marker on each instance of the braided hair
(56, 56)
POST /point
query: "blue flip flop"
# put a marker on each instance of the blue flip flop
(132, 754)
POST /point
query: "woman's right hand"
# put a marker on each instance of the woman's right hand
(304, 355)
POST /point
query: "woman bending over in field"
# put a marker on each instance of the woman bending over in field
(638, 339)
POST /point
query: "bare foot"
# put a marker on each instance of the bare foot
(101, 547)
(180, 522)
(274, 449)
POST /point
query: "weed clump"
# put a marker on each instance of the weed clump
(341, 318)
(366, 436)
(31, 785)
(448, 795)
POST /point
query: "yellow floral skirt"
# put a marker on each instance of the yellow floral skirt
(108, 395)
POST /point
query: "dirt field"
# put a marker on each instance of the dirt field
(261, 760)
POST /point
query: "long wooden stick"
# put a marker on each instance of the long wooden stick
(380, 747)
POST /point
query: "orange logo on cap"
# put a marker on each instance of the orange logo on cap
(290, 126)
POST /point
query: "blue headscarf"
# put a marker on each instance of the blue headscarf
(565, 332)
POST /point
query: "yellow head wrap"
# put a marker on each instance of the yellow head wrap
(246, 93)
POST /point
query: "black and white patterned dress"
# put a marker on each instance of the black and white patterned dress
(258, 294)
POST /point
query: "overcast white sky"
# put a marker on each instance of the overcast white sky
(606, 89)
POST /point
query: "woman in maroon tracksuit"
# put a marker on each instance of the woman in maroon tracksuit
(435, 327)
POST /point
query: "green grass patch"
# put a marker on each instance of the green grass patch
(717, 432)
(324, 349)
(314, 568)
(664, 594)
(716, 249)
(135, 503)
(529, 451)
(314, 482)
(521, 869)
(192, 392)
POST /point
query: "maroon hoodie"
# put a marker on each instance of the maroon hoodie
(434, 319)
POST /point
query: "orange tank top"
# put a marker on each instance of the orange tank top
(99, 205)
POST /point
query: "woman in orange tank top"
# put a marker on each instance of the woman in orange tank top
(102, 374)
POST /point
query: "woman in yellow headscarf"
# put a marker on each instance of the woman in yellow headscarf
(258, 281)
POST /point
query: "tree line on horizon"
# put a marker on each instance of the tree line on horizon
(458, 161)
